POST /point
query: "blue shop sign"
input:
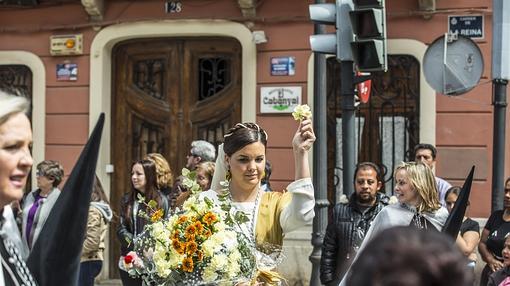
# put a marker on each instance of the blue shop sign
(470, 26)
(283, 66)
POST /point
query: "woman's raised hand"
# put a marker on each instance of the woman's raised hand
(304, 137)
(495, 265)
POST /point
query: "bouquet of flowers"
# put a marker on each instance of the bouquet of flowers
(198, 245)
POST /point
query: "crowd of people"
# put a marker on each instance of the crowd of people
(371, 239)
(364, 231)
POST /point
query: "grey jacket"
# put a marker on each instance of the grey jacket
(100, 214)
(40, 216)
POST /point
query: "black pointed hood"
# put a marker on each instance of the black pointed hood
(454, 220)
(55, 257)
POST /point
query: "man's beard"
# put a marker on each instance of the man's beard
(365, 199)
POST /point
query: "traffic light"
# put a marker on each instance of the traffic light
(368, 20)
(333, 43)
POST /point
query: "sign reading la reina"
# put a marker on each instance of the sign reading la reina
(279, 99)
(470, 26)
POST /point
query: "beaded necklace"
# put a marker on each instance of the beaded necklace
(251, 228)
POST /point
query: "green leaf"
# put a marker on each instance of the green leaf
(153, 204)
(209, 202)
(241, 217)
(280, 107)
(224, 195)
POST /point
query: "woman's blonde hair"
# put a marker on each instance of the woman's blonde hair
(11, 104)
(164, 175)
(208, 167)
(423, 181)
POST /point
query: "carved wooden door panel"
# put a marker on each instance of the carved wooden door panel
(167, 93)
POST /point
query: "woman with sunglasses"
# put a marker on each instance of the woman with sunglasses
(37, 204)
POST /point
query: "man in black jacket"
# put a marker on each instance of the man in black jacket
(351, 220)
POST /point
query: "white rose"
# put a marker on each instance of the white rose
(189, 203)
(219, 262)
(302, 112)
(209, 275)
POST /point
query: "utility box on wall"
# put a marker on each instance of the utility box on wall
(65, 45)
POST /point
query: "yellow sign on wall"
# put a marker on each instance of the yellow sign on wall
(64, 45)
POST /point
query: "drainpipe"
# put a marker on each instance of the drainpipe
(498, 143)
(500, 75)
(320, 153)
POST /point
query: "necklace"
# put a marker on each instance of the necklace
(418, 220)
(251, 227)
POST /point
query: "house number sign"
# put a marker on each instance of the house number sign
(173, 6)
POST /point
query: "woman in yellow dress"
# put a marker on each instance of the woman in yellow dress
(241, 162)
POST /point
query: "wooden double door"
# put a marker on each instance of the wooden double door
(166, 93)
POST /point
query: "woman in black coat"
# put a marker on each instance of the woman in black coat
(144, 183)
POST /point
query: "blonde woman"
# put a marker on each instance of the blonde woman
(205, 171)
(204, 174)
(418, 203)
(15, 164)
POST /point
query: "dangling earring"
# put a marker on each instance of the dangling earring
(263, 175)
(228, 175)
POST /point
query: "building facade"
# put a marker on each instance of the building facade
(169, 72)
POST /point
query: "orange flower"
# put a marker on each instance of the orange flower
(191, 247)
(182, 219)
(199, 226)
(175, 235)
(178, 246)
(209, 218)
(191, 230)
(187, 264)
(190, 237)
(157, 215)
(200, 255)
(207, 233)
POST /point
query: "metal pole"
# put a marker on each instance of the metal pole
(498, 143)
(348, 126)
(320, 149)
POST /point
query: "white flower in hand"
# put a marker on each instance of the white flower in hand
(302, 112)
(304, 137)
(343, 199)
